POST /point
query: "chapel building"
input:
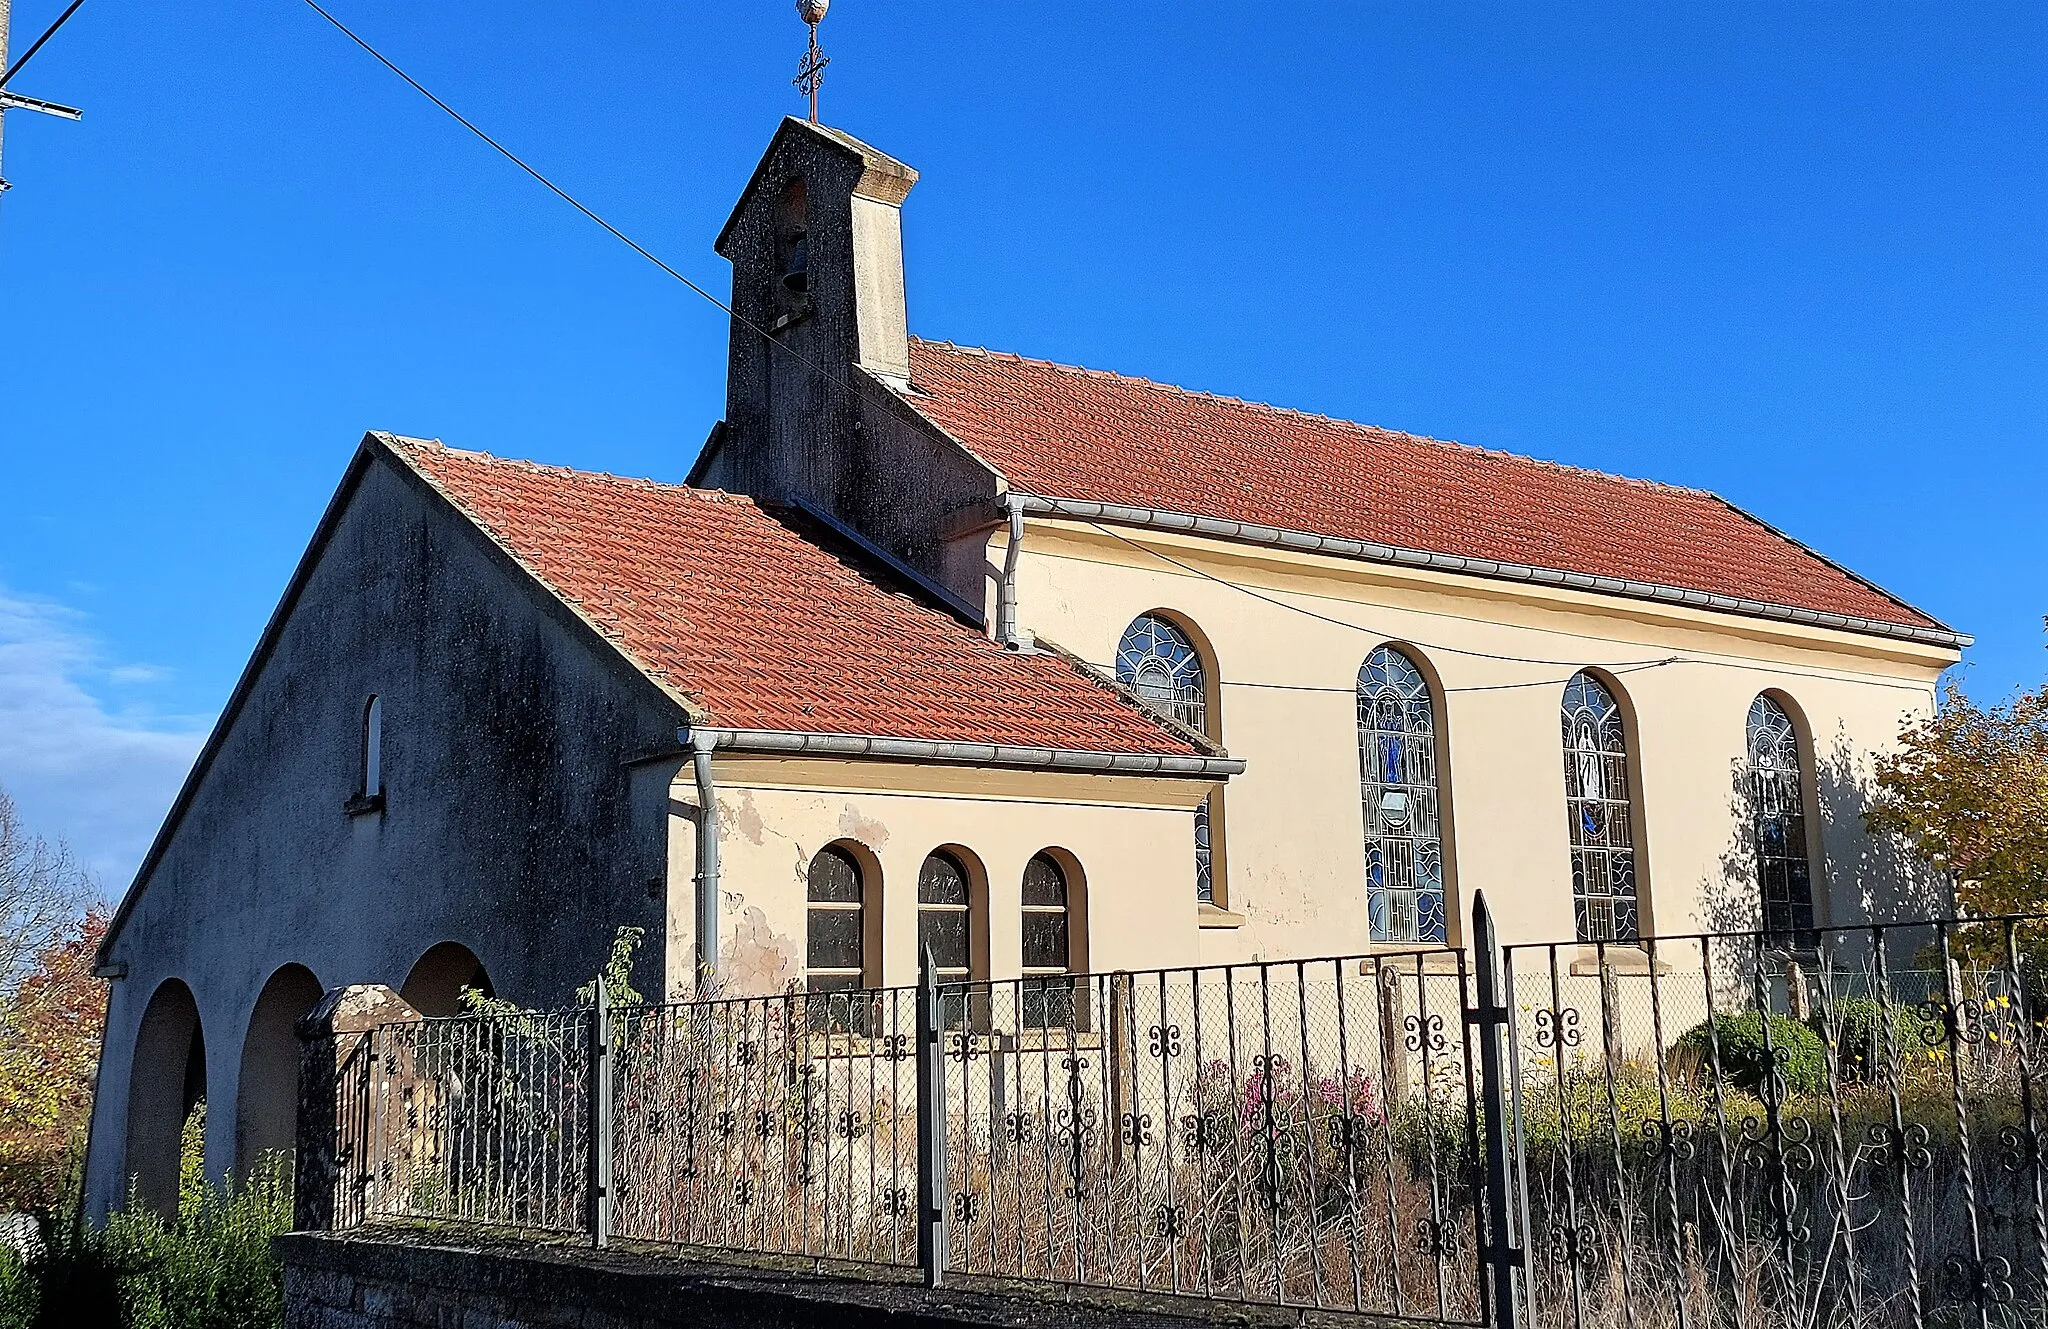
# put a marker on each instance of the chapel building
(1048, 669)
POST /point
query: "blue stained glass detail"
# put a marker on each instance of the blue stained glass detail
(1598, 812)
(1397, 773)
(1159, 662)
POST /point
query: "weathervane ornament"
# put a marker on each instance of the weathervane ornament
(812, 71)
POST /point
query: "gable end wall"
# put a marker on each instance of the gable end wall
(512, 823)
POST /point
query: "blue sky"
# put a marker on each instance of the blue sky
(1796, 254)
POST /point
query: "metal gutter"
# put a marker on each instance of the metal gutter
(1249, 533)
(782, 742)
(1008, 634)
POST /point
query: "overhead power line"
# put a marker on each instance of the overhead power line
(37, 44)
(841, 382)
(854, 388)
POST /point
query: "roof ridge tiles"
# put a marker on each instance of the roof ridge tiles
(552, 468)
(1297, 413)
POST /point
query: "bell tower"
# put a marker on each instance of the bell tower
(819, 326)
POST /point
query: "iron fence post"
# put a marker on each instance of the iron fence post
(931, 1124)
(1488, 1020)
(600, 1143)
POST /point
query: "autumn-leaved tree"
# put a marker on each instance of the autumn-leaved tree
(1968, 788)
(52, 1011)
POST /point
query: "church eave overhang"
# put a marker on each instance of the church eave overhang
(1045, 505)
(778, 742)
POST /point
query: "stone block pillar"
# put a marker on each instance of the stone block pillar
(334, 1052)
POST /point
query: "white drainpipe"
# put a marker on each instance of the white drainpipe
(699, 743)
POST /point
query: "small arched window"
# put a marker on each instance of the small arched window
(1777, 795)
(1600, 813)
(944, 905)
(1159, 662)
(835, 952)
(372, 783)
(792, 245)
(1404, 857)
(1048, 946)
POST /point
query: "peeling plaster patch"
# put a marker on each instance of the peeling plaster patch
(867, 830)
(749, 822)
(759, 962)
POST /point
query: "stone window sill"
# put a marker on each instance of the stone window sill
(1400, 957)
(1209, 916)
(1627, 961)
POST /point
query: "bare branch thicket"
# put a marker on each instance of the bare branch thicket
(43, 893)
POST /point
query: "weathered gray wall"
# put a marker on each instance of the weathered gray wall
(512, 823)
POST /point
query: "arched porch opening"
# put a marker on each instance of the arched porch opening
(267, 1086)
(165, 1086)
(434, 987)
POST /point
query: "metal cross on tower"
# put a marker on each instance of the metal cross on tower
(14, 101)
(812, 71)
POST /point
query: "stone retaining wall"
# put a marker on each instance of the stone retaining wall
(397, 1278)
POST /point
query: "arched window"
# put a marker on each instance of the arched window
(1159, 662)
(944, 903)
(835, 952)
(1777, 796)
(372, 770)
(1048, 1000)
(1597, 805)
(1404, 857)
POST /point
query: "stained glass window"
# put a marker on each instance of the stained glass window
(835, 955)
(1777, 792)
(1159, 662)
(1404, 859)
(1048, 946)
(1598, 809)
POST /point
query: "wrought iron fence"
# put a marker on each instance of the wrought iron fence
(780, 1124)
(1841, 1128)
(1296, 1133)
(480, 1119)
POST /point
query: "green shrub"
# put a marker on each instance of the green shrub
(1743, 1063)
(1595, 1116)
(1861, 1042)
(208, 1268)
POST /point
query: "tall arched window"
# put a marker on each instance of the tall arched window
(1777, 796)
(835, 952)
(1048, 1000)
(1597, 805)
(373, 748)
(369, 790)
(1404, 858)
(1159, 662)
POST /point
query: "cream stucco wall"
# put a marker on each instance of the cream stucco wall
(1287, 632)
(1127, 836)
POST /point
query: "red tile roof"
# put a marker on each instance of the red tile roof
(1083, 434)
(739, 610)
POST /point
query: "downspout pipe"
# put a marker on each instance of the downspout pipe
(1008, 634)
(699, 743)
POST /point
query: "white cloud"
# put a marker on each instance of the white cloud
(96, 776)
